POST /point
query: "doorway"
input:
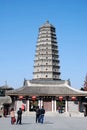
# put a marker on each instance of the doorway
(60, 106)
(33, 105)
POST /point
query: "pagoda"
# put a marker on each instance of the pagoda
(46, 63)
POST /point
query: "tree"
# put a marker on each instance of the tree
(85, 83)
(2, 92)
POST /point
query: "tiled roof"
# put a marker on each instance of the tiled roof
(37, 88)
(5, 100)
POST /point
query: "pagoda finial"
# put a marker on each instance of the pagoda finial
(47, 21)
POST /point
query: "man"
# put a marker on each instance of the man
(42, 111)
(37, 114)
(19, 116)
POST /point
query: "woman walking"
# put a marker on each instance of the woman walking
(12, 113)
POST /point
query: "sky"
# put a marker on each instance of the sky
(19, 26)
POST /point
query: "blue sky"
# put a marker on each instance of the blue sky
(19, 24)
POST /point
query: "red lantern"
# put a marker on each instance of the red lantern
(33, 97)
(20, 97)
(73, 98)
(60, 98)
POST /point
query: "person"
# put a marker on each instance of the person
(5, 112)
(12, 114)
(37, 114)
(42, 112)
(59, 109)
(85, 111)
(19, 116)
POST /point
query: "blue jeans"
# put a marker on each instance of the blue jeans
(42, 118)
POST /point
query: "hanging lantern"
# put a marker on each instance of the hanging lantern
(20, 97)
(33, 97)
(73, 98)
(60, 98)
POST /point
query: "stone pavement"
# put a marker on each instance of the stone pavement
(51, 122)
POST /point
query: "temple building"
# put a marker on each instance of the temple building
(47, 88)
(5, 101)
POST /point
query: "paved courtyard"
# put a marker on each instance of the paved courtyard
(50, 123)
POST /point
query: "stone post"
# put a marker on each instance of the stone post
(66, 105)
(27, 106)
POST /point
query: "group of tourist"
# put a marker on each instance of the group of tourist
(39, 115)
(19, 116)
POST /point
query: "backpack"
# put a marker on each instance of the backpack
(42, 111)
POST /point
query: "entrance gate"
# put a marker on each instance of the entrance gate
(60, 106)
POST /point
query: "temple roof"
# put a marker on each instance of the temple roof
(41, 88)
(6, 87)
(5, 100)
